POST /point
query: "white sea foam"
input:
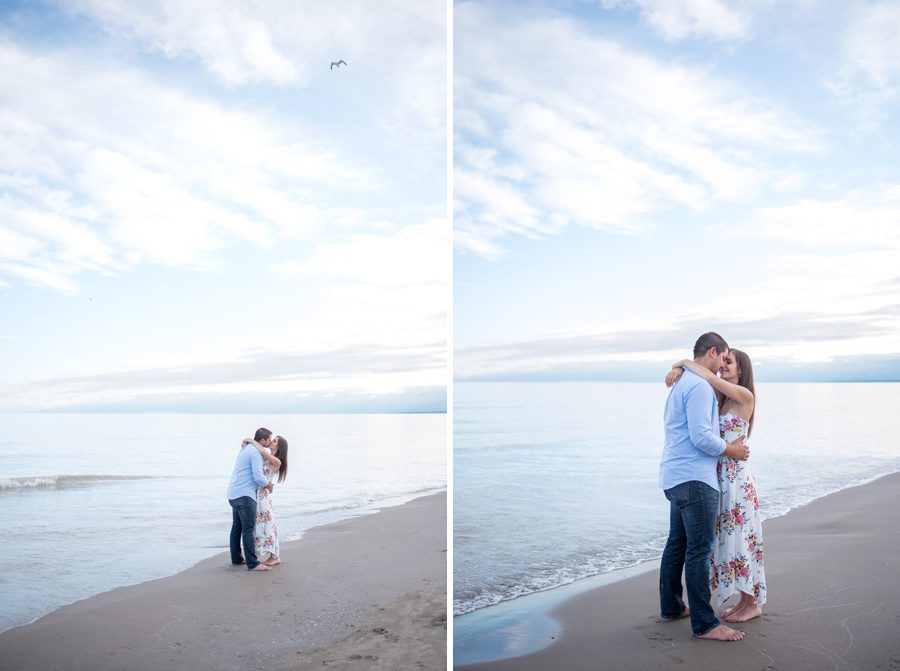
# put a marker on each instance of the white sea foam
(59, 481)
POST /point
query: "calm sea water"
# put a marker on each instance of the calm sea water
(93, 502)
(554, 482)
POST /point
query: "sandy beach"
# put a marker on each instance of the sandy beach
(365, 593)
(833, 602)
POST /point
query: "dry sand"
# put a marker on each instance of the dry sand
(833, 574)
(366, 593)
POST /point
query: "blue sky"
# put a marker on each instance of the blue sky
(631, 173)
(196, 212)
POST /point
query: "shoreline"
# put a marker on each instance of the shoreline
(365, 510)
(824, 547)
(364, 592)
(623, 572)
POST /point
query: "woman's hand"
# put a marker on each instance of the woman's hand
(699, 370)
(673, 376)
(249, 441)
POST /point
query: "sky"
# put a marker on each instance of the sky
(198, 213)
(629, 174)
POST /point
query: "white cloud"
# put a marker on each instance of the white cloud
(868, 78)
(502, 209)
(49, 276)
(346, 370)
(861, 220)
(44, 248)
(101, 164)
(681, 19)
(810, 282)
(558, 127)
(235, 42)
(416, 254)
(398, 47)
(643, 351)
(14, 246)
(840, 256)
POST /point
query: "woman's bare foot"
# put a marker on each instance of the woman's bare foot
(275, 561)
(723, 633)
(728, 611)
(733, 612)
(748, 612)
(261, 567)
(736, 614)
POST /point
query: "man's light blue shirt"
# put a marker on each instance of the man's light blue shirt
(693, 443)
(248, 474)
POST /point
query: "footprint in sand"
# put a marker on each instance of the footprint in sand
(381, 631)
(657, 637)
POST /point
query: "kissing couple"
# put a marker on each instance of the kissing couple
(715, 534)
(250, 496)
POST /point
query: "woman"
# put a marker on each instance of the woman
(736, 564)
(275, 462)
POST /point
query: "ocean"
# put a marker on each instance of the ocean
(555, 482)
(90, 502)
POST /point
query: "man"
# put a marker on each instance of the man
(246, 479)
(687, 475)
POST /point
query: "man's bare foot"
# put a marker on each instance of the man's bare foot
(748, 612)
(723, 633)
(261, 567)
(686, 613)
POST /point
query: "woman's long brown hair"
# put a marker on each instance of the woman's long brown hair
(745, 379)
(282, 454)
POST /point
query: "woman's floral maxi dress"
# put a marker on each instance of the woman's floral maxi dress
(266, 533)
(737, 559)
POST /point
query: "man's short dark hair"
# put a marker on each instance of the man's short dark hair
(262, 434)
(708, 340)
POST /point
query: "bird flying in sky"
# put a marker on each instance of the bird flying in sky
(338, 64)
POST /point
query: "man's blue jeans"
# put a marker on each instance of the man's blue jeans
(243, 523)
(693, 507)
